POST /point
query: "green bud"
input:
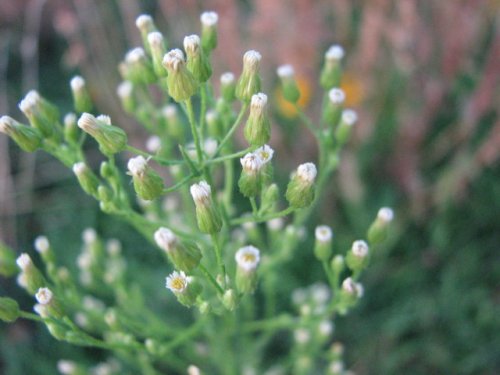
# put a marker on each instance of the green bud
(270, 196)
(228, 87)
(104, 194)
(332, 70)
(250, 181)
(137, 68)
(249, 81)
(111, 139)
(180, 81)
(215, 126)
(153, 347)
(42, 114)
(9, 309)
(291, 91)
(247, 259)
(81, 97)
(26, 137)
(147, 183)
(258, 126)
(209, 31)
(125, 92)
(185, 255)
(158, 50)
(71, 131)
(8, 265)
(265, 153)
(175, 127)
(32, 278)
(300, 190)
(197, 61)
(349, 294)
(230, 299)
(343, 131)
(337, 264)
(185, 288)
(333, 108)
(357, 257)
(323, 243)
(204, 308)
(379, 229)
(146, 26)
(58, 331)
(45, 297)
(87, 179)
(207, 216)
(42, 246)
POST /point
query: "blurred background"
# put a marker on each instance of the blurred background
(424, 79)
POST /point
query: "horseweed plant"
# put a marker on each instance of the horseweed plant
(224, 266)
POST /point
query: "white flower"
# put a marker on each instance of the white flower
(87, 122)
(360, 248)
(251, 59)
(44, 296)
(385, 215)
(79, 168)
(137, 165)
(285, 71)
(335, 52)
(336, 367)
(352, 287)
(200, 192)
(113, 247)
(251, 163)
(336, 96)
(299, 296)
(302, 336)
(31, 100)
(191, 44)
(155, 39)
(258, 103)
(170, 111)
(209, 18)
(247, 258)
(22, 280)
(153, 144)
(210, 146)
(92, 303)
(69, 119)
(174, 60)
(307, 172)
(323, 233)
(227, 78)
(275, 224)
(165, 238)
(66, 367)
(177, 282)
(124, 89)
(143, 22)
(265, 153)
(77, 83)
(89, 236)
(42, 244)
(24, 261)
(135, 55)
(349, 117)
(325, 328)
(320, 293)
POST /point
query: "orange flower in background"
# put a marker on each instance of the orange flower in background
(353, 89)
(286, 108)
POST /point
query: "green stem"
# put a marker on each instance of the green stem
(218, 255)
(203, 110)
(229, 157)
(178, 184)
(232, 129)
(186, 335)
(261, 219)
(159, 160)
(194, 130)
(210, 278)
(283, 321)
(255, 210)
(30, 316)
(305, 119)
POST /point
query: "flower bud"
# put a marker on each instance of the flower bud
(344, 128)
(270, 196)
(87, 179)
(46, 298)
(230, 299)
(250, 178)
(146, 26)
(125, 92)
(215, 125)
(32, 277)
(323, 243)
(174, 125)
(138, 68)
(337, 265)
(300, 190)
(8, 265)
(249, 81)
(247, 259)
(258, 126)
(26, 137)
(111, 139)
(379, 229)
(185, 288)
(207, 216)
(357, 257)
(197, 61)
(209, 31)
(71, 131)
(42, 246)
(42, 114)
(185, 255)
(9, 309)
(228, 87)
(351, 291)
(332, 70)
(180, 81)
(290, 89)
(147, 183)
(333, 108)
(158, 49)
(265, 154)
(81, 97)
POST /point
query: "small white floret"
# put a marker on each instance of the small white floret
(307, 172)
(66, 367)
(323, 233)
(174, 60)
(89, 236)
(385, 215)
(227, 78)
(165, 238)
(191, 44)
(336, 96)
(251, 59)
(143, 21)
(265, 153)
(42, 244)
(360, 248)
(335, 52)
(137, 165)
(124, 89)
(24, 261)
(209, 18)
(248, 258)
(153, 144)
(155, 39)
(177, 282)
(251, 163)
(200, 191)
(285, 71)
(44, 296)
(302, 336)
(135, 55)
(349, 117)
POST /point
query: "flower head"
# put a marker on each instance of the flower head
(360, 248)
(248, 258)
(323, 233)
(177, 282)
(165, 238)
(265, 153)
(307, 172)
(44, 296)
